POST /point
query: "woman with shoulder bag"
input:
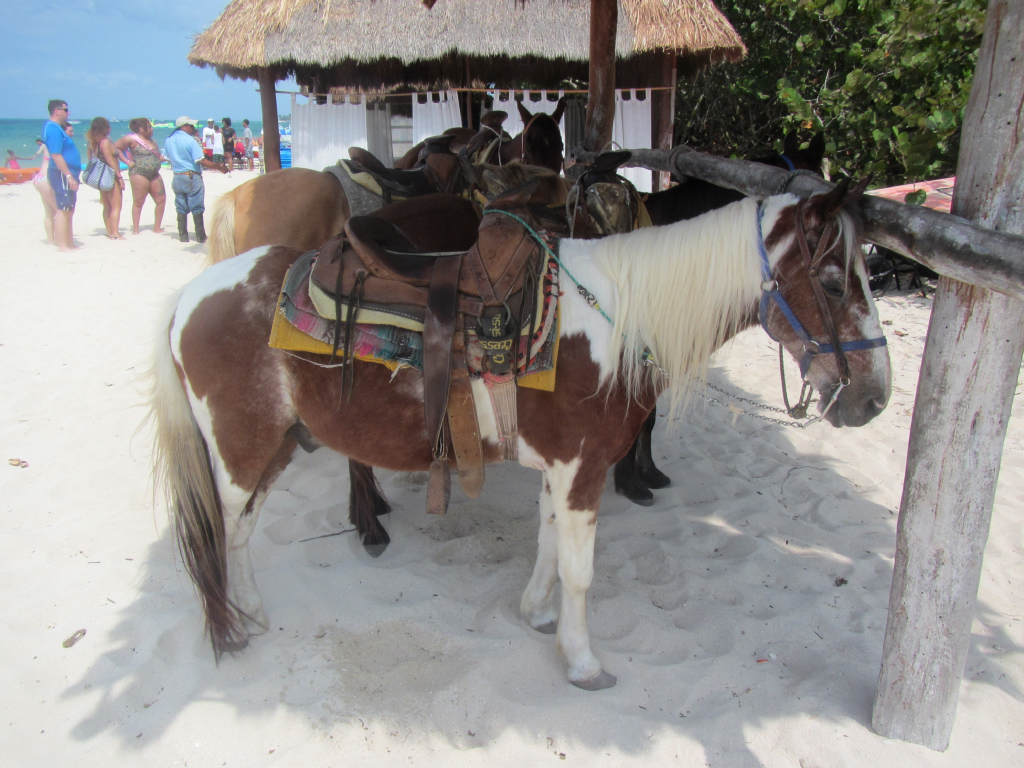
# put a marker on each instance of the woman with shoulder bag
(106, 173)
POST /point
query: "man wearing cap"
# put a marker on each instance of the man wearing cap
(187, 161)
(208, 138)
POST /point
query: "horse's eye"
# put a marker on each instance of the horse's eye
(833, 280)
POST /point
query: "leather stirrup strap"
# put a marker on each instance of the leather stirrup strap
(462, 422)
(438, 335)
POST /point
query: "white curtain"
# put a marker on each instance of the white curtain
(378, 134)
(432, 118)
(514, 125)
(632, 130)
(322, 133)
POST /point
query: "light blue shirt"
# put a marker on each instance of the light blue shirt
(59, 143)
(183, 152)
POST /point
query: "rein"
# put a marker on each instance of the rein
(770, 292)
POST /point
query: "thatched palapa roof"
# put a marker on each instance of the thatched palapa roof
(381, 43)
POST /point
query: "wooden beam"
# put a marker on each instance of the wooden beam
(604, 19)
(950, 245)
(666, 111)
(271, 149)
(968, 375)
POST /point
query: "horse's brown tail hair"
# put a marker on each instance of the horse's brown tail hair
(221, 244)
(182, 472)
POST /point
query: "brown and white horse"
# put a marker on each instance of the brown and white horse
(225, 403)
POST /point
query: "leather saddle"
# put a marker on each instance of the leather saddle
(490, 129)
(606, 202)
(438, 174)
(452, 277)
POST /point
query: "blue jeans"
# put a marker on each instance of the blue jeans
(189, 193)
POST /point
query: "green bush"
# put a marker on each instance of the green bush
(886, 80)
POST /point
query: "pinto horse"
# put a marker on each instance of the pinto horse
(225, 404)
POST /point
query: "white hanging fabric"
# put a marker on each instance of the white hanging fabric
(514, 125)
(632, 130)
(378, 134)
(434, 117)
(322, 133)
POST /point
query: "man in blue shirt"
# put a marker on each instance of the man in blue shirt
(62, 173)
(187, 161)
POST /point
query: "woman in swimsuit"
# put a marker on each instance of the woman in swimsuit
(144, 171)
(42, 185)
(100, 145)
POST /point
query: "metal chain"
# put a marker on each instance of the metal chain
(739, 411)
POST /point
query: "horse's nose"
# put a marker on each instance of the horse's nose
(875, 406)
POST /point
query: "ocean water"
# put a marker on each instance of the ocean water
(21, 135)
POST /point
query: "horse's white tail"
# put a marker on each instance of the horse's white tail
(221, 244)
(181, 470)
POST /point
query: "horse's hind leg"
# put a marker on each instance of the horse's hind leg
(536, 606)
(365, 504)
(649, 473)
(241, 511)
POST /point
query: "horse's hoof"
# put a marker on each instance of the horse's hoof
(375, 550)
(655, 478)
(548, 628)
(233, 646)
(598, 683)
(637, 493)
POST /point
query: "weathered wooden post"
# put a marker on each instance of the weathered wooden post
(604, 21)
(665, 129)
(271, 149)
(971, 362)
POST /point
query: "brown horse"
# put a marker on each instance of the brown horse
(302, 208)
(539, 143)
(225, 404)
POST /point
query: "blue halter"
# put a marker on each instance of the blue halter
(788, 162)
(770, 292)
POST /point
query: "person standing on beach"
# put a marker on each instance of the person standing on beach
(65, 167)
(208, 138)
(101, 147)
(144, 171)
(247, 139)
(228, 134)
(218, 145)
(187, 162)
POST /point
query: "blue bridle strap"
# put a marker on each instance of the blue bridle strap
(770, 292)
(788, 162)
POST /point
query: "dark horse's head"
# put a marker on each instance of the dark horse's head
(542, 141)
(792, 158)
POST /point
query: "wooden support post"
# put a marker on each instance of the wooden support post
(971, 362)
(666, 114)
(271, 132)
(604, 18)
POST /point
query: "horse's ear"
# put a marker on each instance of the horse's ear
(517, 197)
(791, 145)
(816, 150)
(524, 113)
(827, 204)
(855, 194)
(559, 110)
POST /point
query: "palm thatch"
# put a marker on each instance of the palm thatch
(380, 43)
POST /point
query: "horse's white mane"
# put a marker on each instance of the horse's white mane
(682, 291)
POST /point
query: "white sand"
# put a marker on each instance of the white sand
(420, 657)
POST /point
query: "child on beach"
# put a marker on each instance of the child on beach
(12, 160)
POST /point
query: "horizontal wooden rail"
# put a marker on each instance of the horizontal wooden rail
(950, 245)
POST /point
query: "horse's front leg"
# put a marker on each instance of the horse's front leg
(576, 530)
(536, 606)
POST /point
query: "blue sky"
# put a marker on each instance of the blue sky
(117, 58)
